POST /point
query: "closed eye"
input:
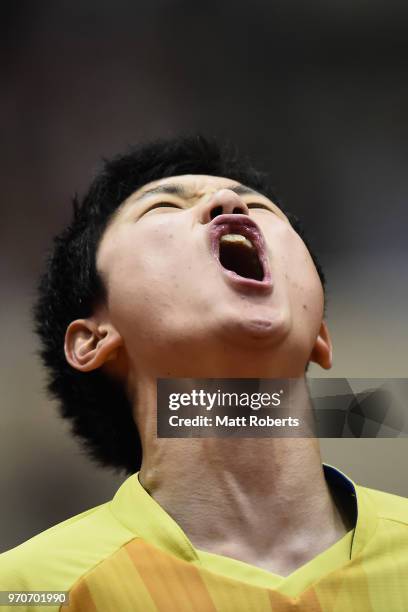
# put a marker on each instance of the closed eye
(259, 205)
(162, 205)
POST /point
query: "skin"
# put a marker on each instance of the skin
(171, 312)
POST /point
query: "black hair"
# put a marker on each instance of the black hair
(70, 288)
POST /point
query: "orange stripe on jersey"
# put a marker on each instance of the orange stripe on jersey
(308, 601)
(115, 585)
(232, 595)
(174, 585)
(80, 599)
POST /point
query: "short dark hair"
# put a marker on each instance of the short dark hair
(70, 288)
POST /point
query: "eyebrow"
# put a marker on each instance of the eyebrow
(179, 190)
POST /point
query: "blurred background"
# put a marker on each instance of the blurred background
(316, 93)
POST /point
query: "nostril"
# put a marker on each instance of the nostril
(238, 210)
(216, 211)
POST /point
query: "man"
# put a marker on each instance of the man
(136, 290)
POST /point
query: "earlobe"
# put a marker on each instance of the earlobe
(322, 352)
(88, 345)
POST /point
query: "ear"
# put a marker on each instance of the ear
(322, 352)
(89, 344)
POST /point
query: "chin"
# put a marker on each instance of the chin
(251, 331)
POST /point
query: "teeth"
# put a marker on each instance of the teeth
(237, 239)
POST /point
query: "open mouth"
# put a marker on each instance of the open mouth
(239, 247)
(238, 254)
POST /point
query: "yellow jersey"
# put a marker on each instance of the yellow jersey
(129, 555)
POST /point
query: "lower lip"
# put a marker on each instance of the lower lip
(249, 285)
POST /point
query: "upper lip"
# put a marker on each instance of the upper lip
(244, 225)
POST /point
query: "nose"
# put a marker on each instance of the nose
(223, 202)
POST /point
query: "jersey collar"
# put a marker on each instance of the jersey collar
(366, 518)
(145, 518)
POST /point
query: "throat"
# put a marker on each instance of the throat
(241, 259)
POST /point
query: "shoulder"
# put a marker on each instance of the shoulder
(387, 505)
(57, 557)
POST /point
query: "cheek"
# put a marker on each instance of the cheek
(301, 278)
(143, 257)
(142, 273)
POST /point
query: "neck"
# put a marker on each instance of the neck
(261, 500)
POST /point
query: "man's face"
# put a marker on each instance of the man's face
(201, 270)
